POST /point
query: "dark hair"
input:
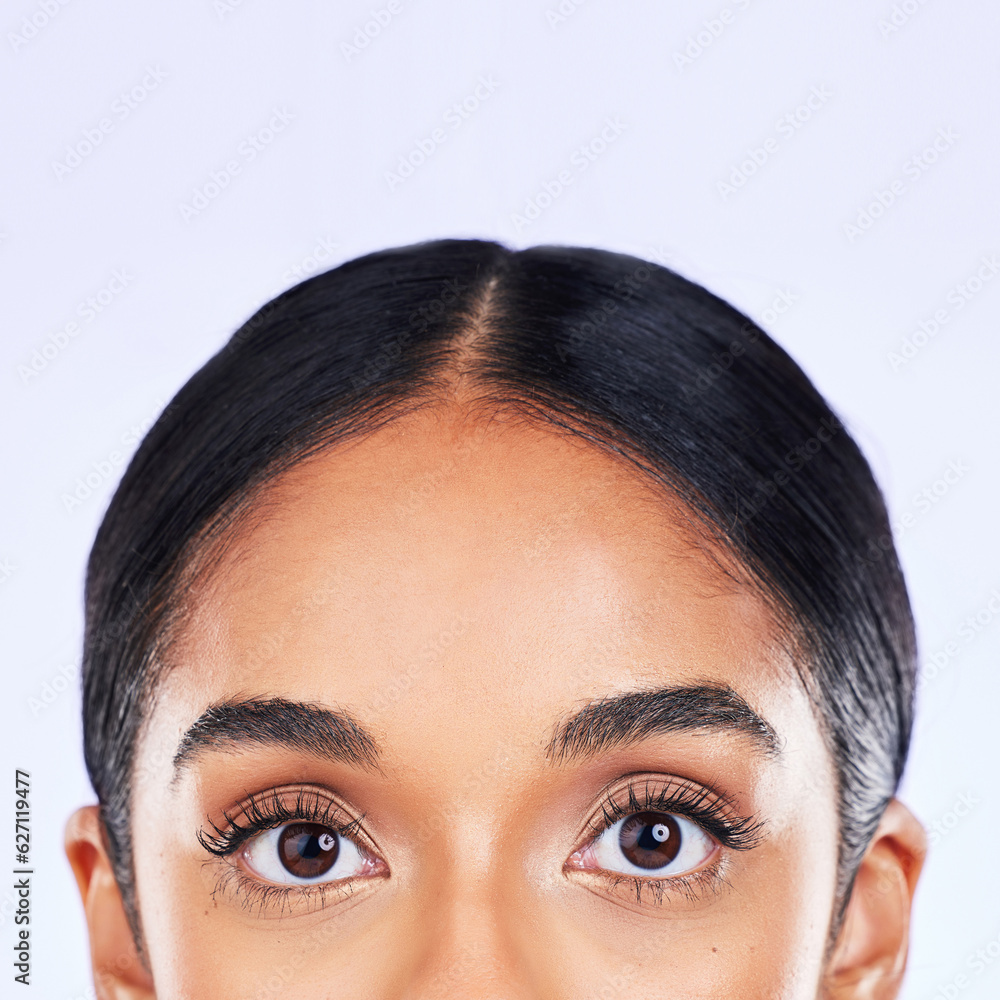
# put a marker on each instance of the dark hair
(623, 352)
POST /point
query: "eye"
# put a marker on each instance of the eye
(302, 853)
(648, 843)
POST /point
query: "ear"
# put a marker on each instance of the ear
(870, 954)
(119, 972)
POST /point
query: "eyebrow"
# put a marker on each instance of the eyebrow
(277, 722)
(607, 723)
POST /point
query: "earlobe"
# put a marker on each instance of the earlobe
(119, 973)
(870, 956)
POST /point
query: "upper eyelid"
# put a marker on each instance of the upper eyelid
(681, 797)
(268, 810)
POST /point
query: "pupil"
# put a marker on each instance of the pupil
(650, 840)
(308, 850)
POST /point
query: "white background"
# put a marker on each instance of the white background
(320, 189)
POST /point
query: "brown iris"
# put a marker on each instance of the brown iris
(650, 839)
(308, 850)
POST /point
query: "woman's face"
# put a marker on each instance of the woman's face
(480, 741)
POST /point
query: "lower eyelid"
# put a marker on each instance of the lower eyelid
(688, 887)
(260, 898)
(232, 883)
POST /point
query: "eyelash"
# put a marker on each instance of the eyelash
(262, 812)
(268, 810)
(712, 812)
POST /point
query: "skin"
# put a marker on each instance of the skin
(460, 588)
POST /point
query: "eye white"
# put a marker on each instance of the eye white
(261, 855)
(696, 847)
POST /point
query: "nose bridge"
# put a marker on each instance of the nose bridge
(471, 949)
(472, 933)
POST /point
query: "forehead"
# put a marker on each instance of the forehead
(497, 570)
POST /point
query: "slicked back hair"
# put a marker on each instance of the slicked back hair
(626, 353)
